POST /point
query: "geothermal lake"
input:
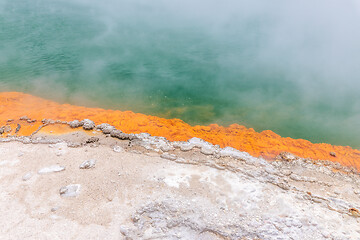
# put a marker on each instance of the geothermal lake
(293, 68)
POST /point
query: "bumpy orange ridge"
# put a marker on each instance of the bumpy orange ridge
(267, 144)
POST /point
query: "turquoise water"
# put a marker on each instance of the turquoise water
(293, 68)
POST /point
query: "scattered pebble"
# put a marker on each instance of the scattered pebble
(118, 149)
(54, 209)
(27, 176)
(51, 169)
(6, 129)
(171, 157)
(71, 190)
(287, 156)
(88, 164)
(354, 212)
(17, 128)
(24, 118)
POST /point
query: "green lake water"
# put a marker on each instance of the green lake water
(293, 68)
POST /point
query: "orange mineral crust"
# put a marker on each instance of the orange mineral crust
(267, 144)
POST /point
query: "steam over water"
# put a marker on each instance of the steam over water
(289, 66)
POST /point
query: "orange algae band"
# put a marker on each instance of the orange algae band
(267, 144)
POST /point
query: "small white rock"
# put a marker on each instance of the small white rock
(71, 190)
(88, 164)
(51, 169)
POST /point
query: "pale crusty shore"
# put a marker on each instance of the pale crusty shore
(112, 185)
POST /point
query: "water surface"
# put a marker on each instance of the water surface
(289, 67)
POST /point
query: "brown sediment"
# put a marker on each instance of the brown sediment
(267, 144)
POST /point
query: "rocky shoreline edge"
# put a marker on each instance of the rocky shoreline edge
(160, 144)
(310, 196)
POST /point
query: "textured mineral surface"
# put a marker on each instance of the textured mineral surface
(145, 187)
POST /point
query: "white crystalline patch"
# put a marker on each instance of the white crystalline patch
(205, 147)
(175, 181)
(200, 143)
(9, 162)
(232, 152)
(153, 143)
(51, 169)
(176, 177)
(245, 192)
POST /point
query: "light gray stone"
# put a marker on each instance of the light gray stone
(88, 164)
(75, 124)
(88, 124)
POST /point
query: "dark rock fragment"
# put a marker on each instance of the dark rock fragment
(286, 156)
(17, 128)
(120, 135)
(333, 154)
